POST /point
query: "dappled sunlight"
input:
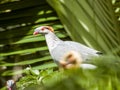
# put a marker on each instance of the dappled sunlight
(87, 42)
(84, 26)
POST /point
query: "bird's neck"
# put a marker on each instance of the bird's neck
(52, 40)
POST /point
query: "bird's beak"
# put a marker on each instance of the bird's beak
(35, 33)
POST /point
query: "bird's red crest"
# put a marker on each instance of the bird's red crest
(48, 27)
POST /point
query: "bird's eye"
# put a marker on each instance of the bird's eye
(42, 28)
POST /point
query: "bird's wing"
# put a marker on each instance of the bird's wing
(84, 50)
(66, 46)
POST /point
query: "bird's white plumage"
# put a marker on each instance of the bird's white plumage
(59, 48)
(64, 47)
(10, 83)
(88, 66)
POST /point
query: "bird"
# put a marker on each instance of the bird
(58, 48)
(11, 85)
(73, 60)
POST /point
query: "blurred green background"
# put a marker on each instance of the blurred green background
(95, 23)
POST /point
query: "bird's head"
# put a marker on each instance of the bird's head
(10, 84)
(43, 30)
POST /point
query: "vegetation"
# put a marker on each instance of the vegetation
(94, 23)
(104, 77)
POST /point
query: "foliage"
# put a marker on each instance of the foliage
(92, 22)
(18, 47)
(104, 77)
